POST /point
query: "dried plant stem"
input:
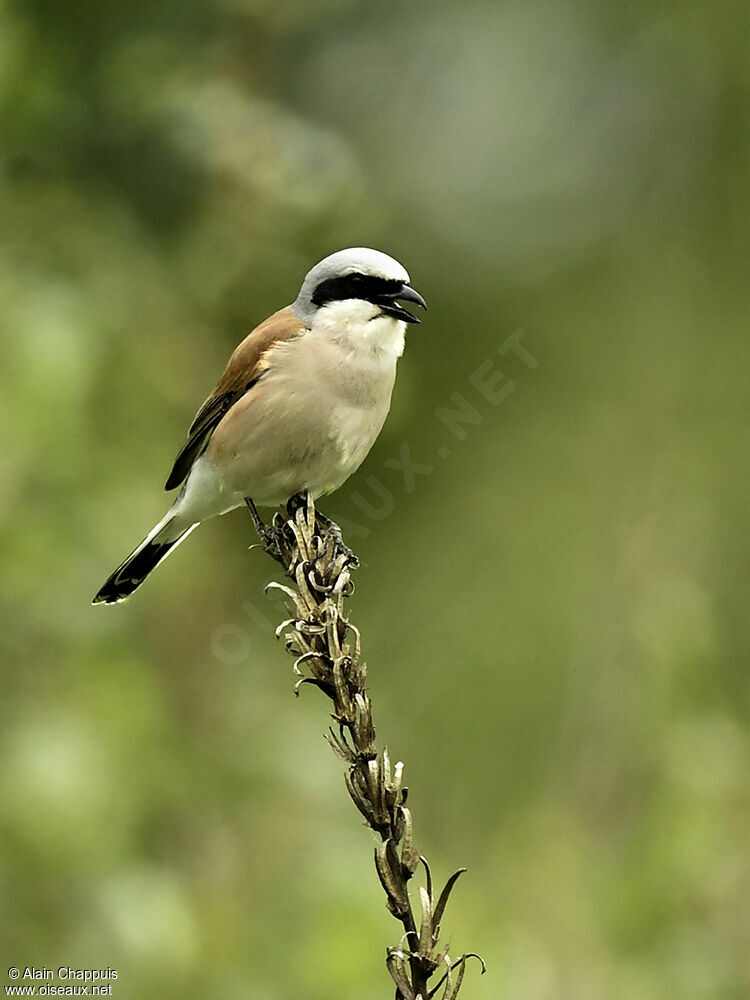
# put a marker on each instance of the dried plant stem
(327, 652)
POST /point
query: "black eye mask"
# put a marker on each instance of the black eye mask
(382, 292)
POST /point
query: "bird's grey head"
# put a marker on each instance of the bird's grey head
(358, 273)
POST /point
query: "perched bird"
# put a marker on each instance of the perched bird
(298, 407)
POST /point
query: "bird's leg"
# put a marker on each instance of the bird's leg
(258, 523)
(267, 533)
(276, 544)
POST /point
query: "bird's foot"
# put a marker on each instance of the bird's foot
(269, 534)
(331, 531)
(330, 534)
(278, 539)
(332, 544)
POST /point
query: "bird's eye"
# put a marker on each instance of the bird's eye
(357, 282)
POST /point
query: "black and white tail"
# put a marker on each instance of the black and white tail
(156, 546)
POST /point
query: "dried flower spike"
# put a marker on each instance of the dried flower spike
(327, 651)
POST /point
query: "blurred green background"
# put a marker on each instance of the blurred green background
(554, 617)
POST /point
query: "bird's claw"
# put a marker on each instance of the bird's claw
(276, 543)
(333, 540)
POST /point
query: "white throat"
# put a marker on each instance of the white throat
(361, 326)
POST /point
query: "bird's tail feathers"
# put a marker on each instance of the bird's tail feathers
(156, 546)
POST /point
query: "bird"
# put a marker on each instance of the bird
(297, 409)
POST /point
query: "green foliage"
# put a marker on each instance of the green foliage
(556, 609)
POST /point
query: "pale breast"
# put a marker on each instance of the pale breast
(310, 421)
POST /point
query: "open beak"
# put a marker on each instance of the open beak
(391, 307)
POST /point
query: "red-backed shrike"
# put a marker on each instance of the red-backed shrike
(298, 407)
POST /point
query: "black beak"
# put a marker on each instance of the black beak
(390, 305)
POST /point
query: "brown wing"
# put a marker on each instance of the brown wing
(245, 367)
